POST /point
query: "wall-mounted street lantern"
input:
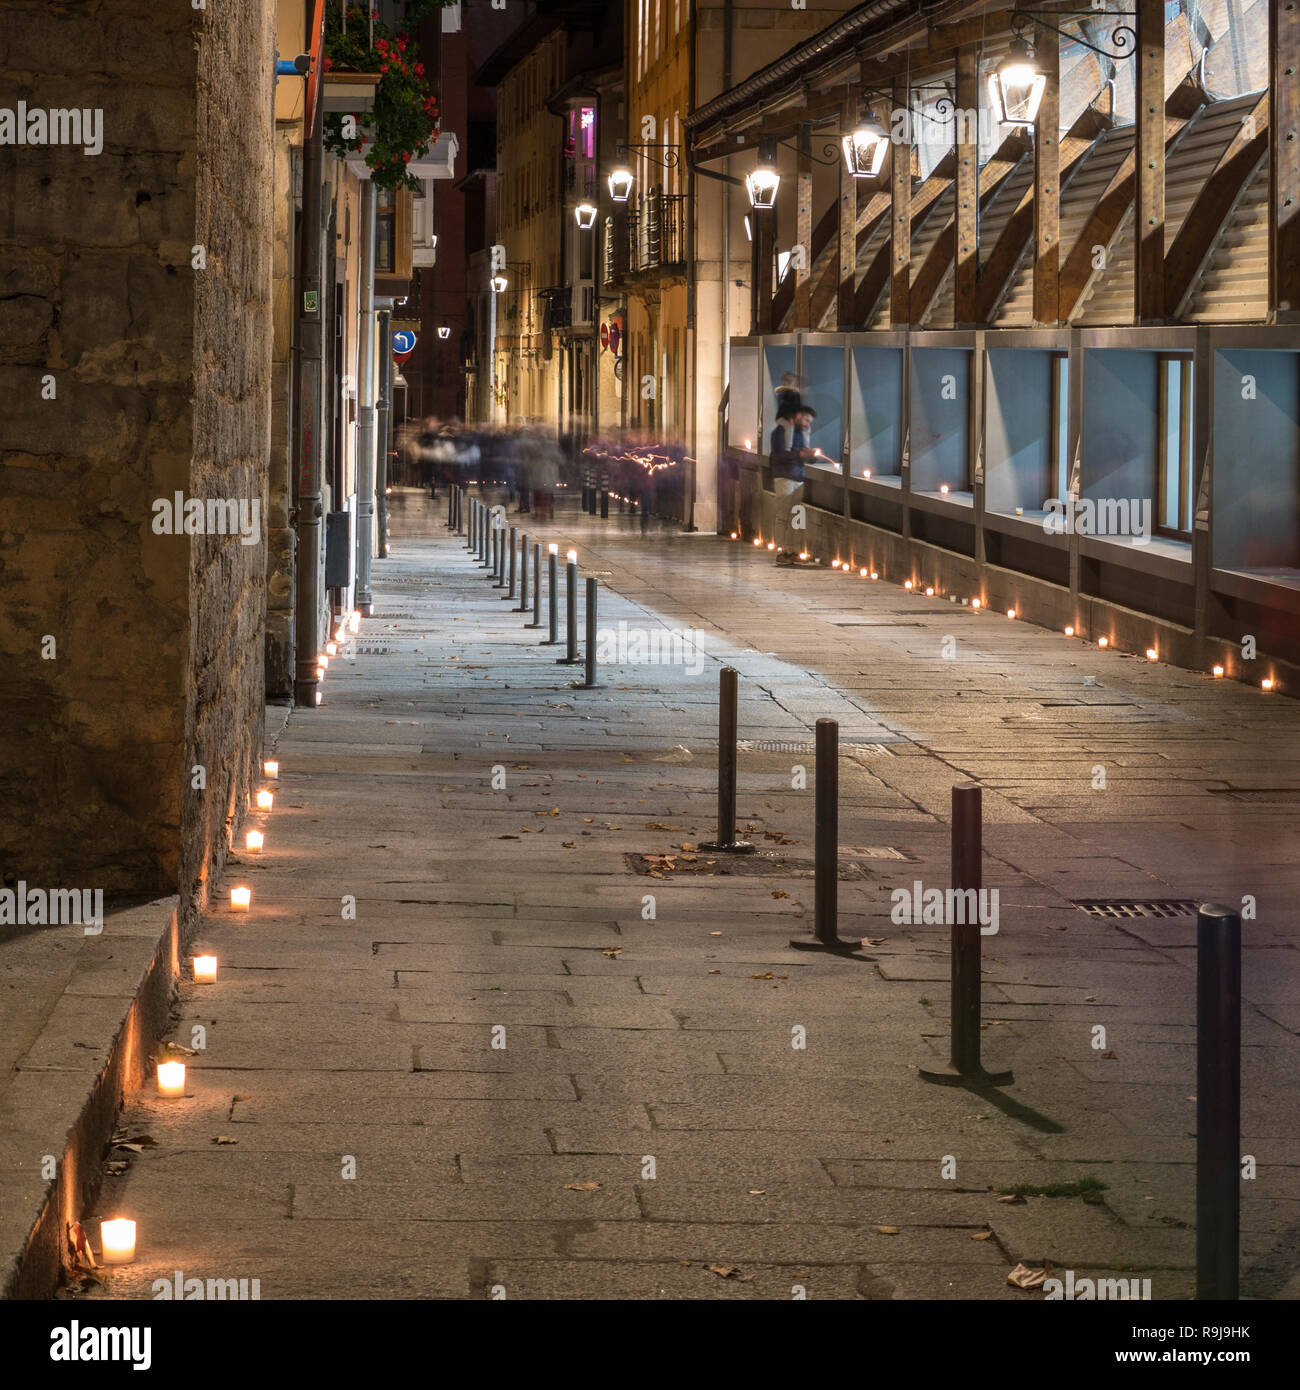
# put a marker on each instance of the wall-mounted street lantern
(1016, 88)
(497, 284)
(585, 216)
(444, 330)
(620, 185)
(864, 150)
(761, 183)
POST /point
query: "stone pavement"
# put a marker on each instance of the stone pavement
(506, 1074)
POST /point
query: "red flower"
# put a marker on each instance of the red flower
(419, 69)
(383, 67)
(329, 63)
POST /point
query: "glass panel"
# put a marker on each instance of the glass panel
(940, 419)
(1061, 426)
(876, 407)
(742, 409)
(778, 375)
(1171, 379)
(823, 392)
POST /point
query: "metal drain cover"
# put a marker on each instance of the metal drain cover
(1128, 907)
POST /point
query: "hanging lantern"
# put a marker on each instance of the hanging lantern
(1016, 89)
(498, 284)
(444, 330)
(761, 183)
(864, 150)
(620, 185)
(585, 216)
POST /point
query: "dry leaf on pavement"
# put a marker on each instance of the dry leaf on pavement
(1025, 1278)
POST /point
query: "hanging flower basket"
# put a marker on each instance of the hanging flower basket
(402, 122)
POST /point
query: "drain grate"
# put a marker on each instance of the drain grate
(1144, 907)
(758, 865)
(373, 651)
(874, 852)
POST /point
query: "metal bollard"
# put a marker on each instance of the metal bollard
(826, 845)
(1218, 1102)
(604, 504)
(469, 528)
(509, 595)
(728, 722)
(503, 544)
(522, 606)
(965, 1066)
(570, 657)
(588, 681)
(537, 586)
(553, 575)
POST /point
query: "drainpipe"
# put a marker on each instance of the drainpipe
(309, 433)
(385, 349)
(366, 403)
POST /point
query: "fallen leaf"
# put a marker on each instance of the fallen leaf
(758, 1192)
(569, 844)
(582, 1187)
(890, 1230)
(1110, 1055)
(768, 976)
(715, 933)
(1056, 928)
(225, 1139)
(777, 893)
(714, 972)
(724, 1271)
(981, 1235)
(1025, 1278)
(874, 940)
(612, 951)
(1089, 998)
(507, 837)
(1014, 1200)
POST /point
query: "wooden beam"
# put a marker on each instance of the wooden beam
(1149, 212)
(1191, 248)
(847, 255)
(880, 272)
(930, 276)
(900, 224)
(1000, 264)
(937, 51)
(803, 230)
(967, 219)
(1047, 189)
(1284, 166)
(1103, 222)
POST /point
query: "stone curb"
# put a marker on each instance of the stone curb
(66, 1092)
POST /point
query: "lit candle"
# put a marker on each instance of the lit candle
(271, 768)
(354, 621)
(1151, 653)
(552, 549)
(240, 899)
(265, 800)
(771, 545)
(977, 603)
(319, 698)
(749, 444)
(205, 970)
(253, 842)
(320, 673)
(1266, 683)
(1069, 631)
(866, 472)
(1020, 511)
(733, 535)
(943, 487)
(874, 575)
(118, 1240)
(1216, 671)
(758, 540)
(929, 592)
(332, 648)
(1103, 641)
(907, 583)
(1011, 612)
(171, 1079)
(803, 554)
(863, 573)
(325, 662)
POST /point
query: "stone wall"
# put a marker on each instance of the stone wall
(128, 375)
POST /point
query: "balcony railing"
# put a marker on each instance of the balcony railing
(653, 236)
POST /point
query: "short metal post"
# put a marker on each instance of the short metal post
(537, 586)
(604, 503)
(728, 723)
(1218, 1102)
(469, 529)
(965, 1005)
(588, 681)
(570, 657)
(505, 547)
(553, 575)
(509, 595)
(826, 845)
(522, 606)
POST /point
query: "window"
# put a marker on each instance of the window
(1174, 470)
(1059, 456)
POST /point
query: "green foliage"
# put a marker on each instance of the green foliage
(404, 121)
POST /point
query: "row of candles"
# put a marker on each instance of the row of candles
(117, 1236)
(865, 572)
